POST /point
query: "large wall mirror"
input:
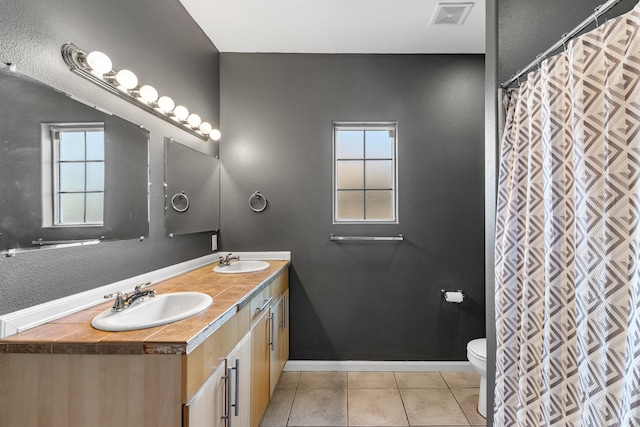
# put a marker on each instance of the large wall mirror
(192, 189)
(69, 172)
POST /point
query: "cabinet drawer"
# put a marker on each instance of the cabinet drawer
(280, 284)
(260, 303)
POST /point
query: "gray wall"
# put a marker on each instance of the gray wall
(527, 28)
(361, 301)
(160, 42)
(517, 31)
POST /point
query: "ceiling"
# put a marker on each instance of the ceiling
(337, 26)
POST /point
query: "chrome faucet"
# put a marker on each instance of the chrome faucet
(123, 300)
(225, 260)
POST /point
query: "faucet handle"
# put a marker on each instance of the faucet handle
(116, 295)
(140, 286)
(118, 304)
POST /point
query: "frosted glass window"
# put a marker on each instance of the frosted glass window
(379, 174)
(350, 205)
(72, 146)
(95, 176)
(350, 144)
(379, 144)
(95, 207)
(95, 145)
(72, 208)
(365, 187)
(79, 174)
(72, 176)
(378, 204)
(350, 174)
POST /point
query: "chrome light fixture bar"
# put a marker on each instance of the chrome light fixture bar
(97, 68)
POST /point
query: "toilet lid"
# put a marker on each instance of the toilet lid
(478, 347)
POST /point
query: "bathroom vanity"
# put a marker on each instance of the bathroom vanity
(216, 368)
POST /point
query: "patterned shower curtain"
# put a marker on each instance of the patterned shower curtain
(568, 238)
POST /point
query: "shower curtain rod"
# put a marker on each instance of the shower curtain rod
(600, 10)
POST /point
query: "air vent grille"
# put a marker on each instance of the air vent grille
(451, 13)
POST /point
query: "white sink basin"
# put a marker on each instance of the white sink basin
(242, 267)
(160, 310)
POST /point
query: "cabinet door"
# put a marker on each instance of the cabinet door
(275, 328)
(260, 355)
(239, 372)
(283, 338)
(207, 407)
(280, 340)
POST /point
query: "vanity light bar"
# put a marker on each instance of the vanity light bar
(98, 69)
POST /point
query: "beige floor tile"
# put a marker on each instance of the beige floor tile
(288, 379)
(432, 407)
(468, 400)
(371, 380)
(462, 379)
(323, 380)
(319, 407)
(420, 380)
(277, 413)
(376, 407)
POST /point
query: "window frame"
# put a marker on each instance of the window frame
(364, 126)
(51, 174)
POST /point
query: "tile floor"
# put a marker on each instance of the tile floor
(324, 399)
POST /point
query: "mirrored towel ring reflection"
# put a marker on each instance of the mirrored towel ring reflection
(257, 202)
(180, 202)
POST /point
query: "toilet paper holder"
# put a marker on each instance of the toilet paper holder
(453, 296)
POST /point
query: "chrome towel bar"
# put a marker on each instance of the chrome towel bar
(397, 238)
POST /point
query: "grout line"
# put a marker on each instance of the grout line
(347, 396)
(347, 388)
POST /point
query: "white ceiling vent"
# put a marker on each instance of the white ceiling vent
(451, 13)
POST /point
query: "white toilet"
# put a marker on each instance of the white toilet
(477, 355)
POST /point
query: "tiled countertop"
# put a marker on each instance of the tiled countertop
(74, 334)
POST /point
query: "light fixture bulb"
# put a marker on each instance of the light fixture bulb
(148, 94)
(205, 128)
(194, 120)
(165, 104)
(126, 79)
(98, 62)
(181, 113)
(215, 135)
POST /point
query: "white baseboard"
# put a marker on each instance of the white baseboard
(21, 320)
(378, 366)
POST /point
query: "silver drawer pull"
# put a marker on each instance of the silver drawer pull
(271, 331)
(284, 312)
(265, 305)
(237, 389)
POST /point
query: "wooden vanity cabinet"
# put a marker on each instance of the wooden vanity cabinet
(260, 368)
(279, 349)
(239, 393)
(269, 346)
(224, 399)
(207, 408)
(233, 368)
(253, 367)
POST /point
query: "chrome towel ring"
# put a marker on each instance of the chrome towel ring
(257, 202)
(183, 201)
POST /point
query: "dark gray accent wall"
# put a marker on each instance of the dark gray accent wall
(366, 300)
(527, 28)
(517, 31)
(159, 41)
